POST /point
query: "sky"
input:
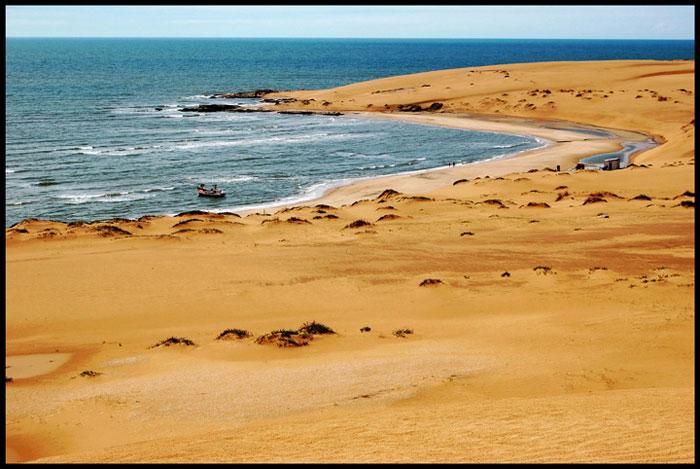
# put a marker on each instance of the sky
(409, 21)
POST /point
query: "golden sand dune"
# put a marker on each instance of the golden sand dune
(547, 316)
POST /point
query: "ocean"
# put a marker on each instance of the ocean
(84, 138)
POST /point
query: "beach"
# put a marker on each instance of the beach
(501, 311)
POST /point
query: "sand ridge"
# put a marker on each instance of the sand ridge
(558, 327)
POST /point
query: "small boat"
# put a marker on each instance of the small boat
(203, 192)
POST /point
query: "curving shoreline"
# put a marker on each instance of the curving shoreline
(563, 147)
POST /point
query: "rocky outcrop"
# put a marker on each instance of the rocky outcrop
(243, 94)
(222, 108)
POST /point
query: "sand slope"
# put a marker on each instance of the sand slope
(561, 328)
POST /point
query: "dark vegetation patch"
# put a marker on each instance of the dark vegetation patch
(543, 269)
(593, 269)
(358, 224)
(108, 230)
(430, 281)
(173, 341)
(402, 332)
(592, 200)
(538, 205)
(687, 203)
(8, 379)
(285, 338)
(388, 207)
(418, 198)
(496, 202)
(232, 334)
(19, 230)
(561, 195)
(270, 220)
(388, 217)
(299, 221)
(210, 231)
(559, 188)
(365, 329)
(605, 194)
(641, 197)
(505, 274)
(460, 181)
(184, 222)
(387, 194)
(90, 374)
(685, 194)
(192, 212)
(466, 233)
(230, 214)
(325, 207)
(315, 328)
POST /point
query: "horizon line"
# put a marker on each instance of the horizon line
(354, 37)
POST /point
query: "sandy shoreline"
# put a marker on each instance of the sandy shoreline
(562, 147)
(550, 315)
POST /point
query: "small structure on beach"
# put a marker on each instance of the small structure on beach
(611, 163)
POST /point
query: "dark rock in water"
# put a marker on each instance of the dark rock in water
(279, 100)
(435, 107)
(159, 109)
(331, 113)
(301, 113)
(211, 108)
(243, 94)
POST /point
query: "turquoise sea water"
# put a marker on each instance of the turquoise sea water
(84, 139)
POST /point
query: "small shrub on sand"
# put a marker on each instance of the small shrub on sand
(402, 332)
(538, 205)
(389, 217)
(561, 195)
(687, 203)
(90, 374)
(430, 282)
(593, 200)
(285, 338)
(460, 181)
(357, 224)
(232, 334)
(8, 379)
(641, 197)
(505, 274)
(685, 194)
(299, 221)
(495, 202)
(543, 269)
(365, 329)
(467, 233)
(315, 328)
(173, 341)
(109, 230)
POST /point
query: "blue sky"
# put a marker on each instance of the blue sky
(540, 22)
